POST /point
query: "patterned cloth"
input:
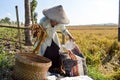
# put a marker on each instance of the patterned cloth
(75, 65)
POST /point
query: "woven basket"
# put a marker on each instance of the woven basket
(30, 67)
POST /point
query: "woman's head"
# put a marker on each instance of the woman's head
(53, 23)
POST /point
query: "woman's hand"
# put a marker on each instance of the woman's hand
(71, 37)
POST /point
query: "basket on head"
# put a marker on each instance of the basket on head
(30, 67)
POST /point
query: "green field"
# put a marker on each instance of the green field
(98, 43)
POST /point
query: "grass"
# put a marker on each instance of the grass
(6, 64)
(98, 44)
(96, 74)
(100, 47)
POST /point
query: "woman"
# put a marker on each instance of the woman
(54, 19)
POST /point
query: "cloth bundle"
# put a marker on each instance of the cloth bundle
(75, 65)
(70, 78)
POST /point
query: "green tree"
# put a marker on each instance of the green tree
(5, 20)
(2, 21)
(35, 16)
(33, 13)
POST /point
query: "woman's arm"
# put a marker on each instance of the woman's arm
(66, 32)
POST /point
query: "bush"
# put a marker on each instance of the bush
(6, 59)
(94, 72)
(6, 64)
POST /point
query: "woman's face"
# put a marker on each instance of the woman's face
(53, 23)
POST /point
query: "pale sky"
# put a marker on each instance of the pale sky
(80, 12)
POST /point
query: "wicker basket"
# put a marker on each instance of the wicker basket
(30, 67)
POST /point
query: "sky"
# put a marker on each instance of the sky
(80, 12)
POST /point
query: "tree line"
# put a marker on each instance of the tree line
(7, 20)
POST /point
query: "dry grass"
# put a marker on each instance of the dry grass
(99, 45)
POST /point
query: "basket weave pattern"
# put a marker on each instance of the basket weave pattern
(30, 67)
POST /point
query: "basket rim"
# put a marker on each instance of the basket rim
(30, 62)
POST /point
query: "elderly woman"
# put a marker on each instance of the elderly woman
(54, 19)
